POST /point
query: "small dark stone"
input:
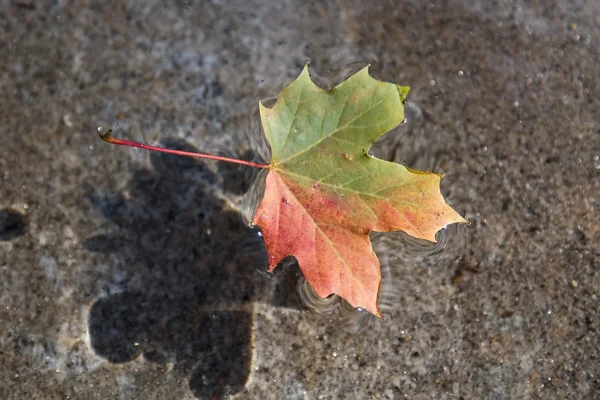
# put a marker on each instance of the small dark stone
(12, 224)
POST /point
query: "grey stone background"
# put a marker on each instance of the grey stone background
(126, 275)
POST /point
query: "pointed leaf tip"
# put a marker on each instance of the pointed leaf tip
(403, 92)
(305, 70)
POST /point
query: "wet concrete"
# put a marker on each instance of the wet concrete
(128, 275)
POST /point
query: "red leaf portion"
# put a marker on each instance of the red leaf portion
(333, 258)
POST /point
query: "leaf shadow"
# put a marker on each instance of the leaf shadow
(187, 276)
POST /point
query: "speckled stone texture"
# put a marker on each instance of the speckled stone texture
(125, 275)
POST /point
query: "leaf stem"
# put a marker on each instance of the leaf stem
(107, 137)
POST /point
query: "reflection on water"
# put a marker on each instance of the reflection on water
(400, 253)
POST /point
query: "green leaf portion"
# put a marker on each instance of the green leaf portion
(309, 120)
(322, 138)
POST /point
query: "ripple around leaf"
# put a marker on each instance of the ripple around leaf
(355, 319)
(400, 253)
(396, 250)
(390, 145)
(311, 300)
(254, 134)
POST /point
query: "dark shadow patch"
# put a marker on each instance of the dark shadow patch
(115, 329)
(188, 276)
(287, 274)
(237, 179)
(12, 224)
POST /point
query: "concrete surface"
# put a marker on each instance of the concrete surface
(125, 275)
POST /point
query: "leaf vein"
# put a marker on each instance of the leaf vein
(293, 116)
(330, 134)
(326, 238)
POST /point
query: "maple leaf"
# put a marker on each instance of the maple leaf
(324, 193)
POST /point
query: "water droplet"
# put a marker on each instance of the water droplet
(432, 82)
(461, 73)
(67, 120)
(100, 129)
